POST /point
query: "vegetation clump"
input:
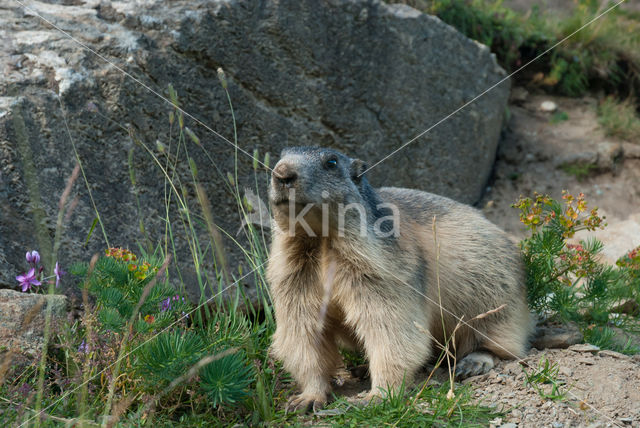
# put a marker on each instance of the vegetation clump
(619, 119)
(597, 46)
(567, 281)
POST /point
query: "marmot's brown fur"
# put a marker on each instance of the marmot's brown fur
(354, 277)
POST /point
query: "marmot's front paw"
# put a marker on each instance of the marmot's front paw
(305, 403)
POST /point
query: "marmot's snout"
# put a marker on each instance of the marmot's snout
(285, 181)
(284, 175)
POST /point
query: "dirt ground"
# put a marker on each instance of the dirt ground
(531, 156)
(601, 388)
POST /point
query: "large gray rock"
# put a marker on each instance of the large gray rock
(22, 320)
(361, 76)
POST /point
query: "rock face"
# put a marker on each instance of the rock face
(22, 320)
(361, 76)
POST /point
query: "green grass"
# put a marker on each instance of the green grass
(619, 119)
(426, 407)
(579, 170)
(604, 54)
(544, 379)
(557, 117)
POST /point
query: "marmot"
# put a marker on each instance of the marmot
(355, 266)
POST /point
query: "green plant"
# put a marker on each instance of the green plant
(118, 282)
(544, 379)
(580, 170)
(226, 380)
(619, 119)
(168, 356)
(559, 116)
(489, 22)
(567, 280)
(588, 49)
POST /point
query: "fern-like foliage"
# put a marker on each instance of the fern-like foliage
(166, 343)
(230, 329)
(117, 283)
(168, 356)
(226, 380)
(111, 319)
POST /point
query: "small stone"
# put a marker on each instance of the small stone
(557, 337)
(565, 371)
(519, 95)
(513, 368)
(584, 347)
(613, 354)
(509, 425)
(630, 307)
(586, 157)
(495, 422)
(626, 421)
(609, 155)
(631, 151)
(548, 106)
(557, 425)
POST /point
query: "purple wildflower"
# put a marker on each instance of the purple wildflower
(165, 305)
(59, 272)
(92, 107)
(25, 389)
(83, 348)
(33, 258)
(28, 280)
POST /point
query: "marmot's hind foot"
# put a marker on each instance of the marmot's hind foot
(474, 364)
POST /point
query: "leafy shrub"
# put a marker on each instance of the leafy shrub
(606, 53)
(489, 22)
(117, 284)
(164, 345)
(168, 356)
(567, 280)
(619, 119)
(226, 380)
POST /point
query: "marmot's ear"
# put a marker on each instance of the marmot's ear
(358, 168)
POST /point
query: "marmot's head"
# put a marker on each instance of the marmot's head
(313, 179)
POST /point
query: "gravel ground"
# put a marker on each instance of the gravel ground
(602, 388)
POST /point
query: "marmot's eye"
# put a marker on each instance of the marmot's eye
(331, 163)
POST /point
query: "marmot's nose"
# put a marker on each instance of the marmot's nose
(284, 174)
